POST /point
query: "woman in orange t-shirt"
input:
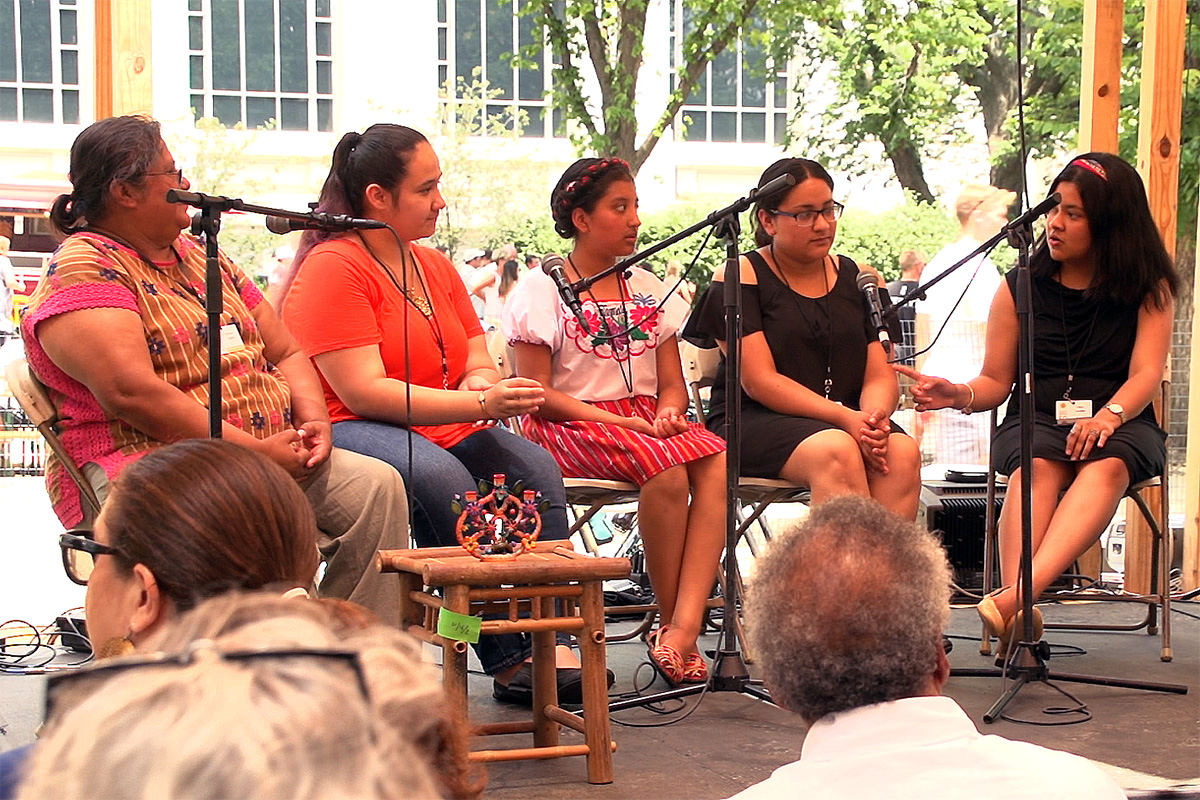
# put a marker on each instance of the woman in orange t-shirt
(403, 360)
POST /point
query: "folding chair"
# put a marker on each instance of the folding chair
(34, 399)
(755, 495)
(1160, 555)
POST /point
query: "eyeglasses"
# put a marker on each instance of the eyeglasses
(178, 173)
(806, 219)
(59, 684)
(79, 551)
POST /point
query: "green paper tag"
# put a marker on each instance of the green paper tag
(459, 627)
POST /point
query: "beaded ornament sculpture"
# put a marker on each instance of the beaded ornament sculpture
(497, 523)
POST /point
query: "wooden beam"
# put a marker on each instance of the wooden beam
(1159, 120)
(1191, 472)
(123, 58)
(1100, 92)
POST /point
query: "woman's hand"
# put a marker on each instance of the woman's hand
(930, 392)
(871, 430)
(1087, 434)
(317, 437)
(639, 425)
(669, 422)
(287, 449)
(513, 396)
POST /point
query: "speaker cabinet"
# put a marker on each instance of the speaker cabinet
(956, 513)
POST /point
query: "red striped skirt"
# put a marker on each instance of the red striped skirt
(606, 451)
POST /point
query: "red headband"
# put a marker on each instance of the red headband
(1091, 166)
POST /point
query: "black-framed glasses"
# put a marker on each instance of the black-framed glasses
(178, 173)
(61, 687)
(807, 218)
(79, 551)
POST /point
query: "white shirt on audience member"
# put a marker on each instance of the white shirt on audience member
(926, 748)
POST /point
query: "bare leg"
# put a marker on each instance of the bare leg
(1049, 479)
(662, 519)
(701, 553)
(1079, 519)
(830, 464)
(899, 491)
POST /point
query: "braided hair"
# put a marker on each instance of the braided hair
(582, 186)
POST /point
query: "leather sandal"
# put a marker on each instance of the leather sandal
(666, 660)
(695, 669)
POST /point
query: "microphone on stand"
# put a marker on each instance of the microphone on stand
(1041, 208)
(552, 265)
(868, 284)
(314, 221)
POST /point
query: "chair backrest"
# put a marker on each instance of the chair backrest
(699, 370)
(35, 401)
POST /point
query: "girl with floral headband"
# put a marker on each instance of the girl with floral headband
(615, 400)
(1103, 305)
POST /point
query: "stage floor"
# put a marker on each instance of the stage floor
(729, 741)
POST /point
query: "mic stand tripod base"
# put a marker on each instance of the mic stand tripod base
(1028, 665)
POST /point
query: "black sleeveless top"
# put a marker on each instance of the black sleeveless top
(1089, 337)
(805, 334)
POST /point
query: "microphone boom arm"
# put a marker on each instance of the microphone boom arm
(733, 209)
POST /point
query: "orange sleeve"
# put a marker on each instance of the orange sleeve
(332, 301)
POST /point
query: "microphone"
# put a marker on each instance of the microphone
(552, 265)
(868, 284)
(314, 221)
(1041, 208)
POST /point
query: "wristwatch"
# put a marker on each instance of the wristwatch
(1117, 409)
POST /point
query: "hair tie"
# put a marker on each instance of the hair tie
(1091, 166)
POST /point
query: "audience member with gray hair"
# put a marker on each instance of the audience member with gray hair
(255, 696)
(845, 614)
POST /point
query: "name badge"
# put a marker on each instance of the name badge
(231, 338)
(1066, 412)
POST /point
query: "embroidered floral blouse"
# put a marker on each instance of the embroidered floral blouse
(587, 364)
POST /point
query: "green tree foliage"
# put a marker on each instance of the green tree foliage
(879, 238)
(918, 76)
(603, 40)
(218, 162)
(486, 192)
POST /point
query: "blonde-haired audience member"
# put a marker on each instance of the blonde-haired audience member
(254, 696)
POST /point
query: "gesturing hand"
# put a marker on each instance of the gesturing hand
(928, 391)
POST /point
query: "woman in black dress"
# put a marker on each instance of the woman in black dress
(1103, 307)
(817, 393)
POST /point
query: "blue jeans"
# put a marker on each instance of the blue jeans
(440, 473)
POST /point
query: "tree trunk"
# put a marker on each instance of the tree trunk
(906, 160)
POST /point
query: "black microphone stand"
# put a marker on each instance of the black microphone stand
(1028, 663)
(729, 672)
(208, 223)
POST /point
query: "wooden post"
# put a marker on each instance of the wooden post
(1158, 162)
(1100, 90)
(123, 57)
(1191, 473)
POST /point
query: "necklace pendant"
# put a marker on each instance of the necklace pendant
(828, 387)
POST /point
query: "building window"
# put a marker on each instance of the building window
(262, 63)
(39, 61)
(740, 96)
(476, 43)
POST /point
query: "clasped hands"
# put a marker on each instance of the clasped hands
(871, 428)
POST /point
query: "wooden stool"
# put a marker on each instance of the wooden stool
(529, 584)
